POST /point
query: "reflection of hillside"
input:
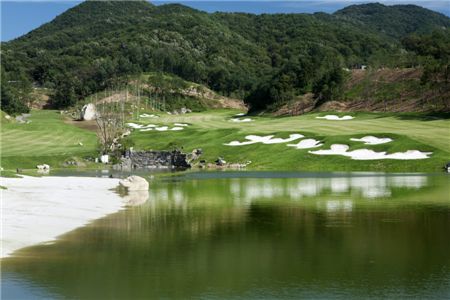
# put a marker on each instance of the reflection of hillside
(198, 237)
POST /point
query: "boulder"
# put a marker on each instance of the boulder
(43, 167)
(104, 158)
(88, 112)
(134, 183)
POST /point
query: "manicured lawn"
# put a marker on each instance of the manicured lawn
(210, 130)
(46, 139)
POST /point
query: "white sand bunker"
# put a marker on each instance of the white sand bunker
(366, 154)
(39, 209)
(306, 144)
(372, 140)
(150, 127)
(268, 139)
(148, 116)
(240, 114)
(236, 120)
(181, 124)
(335, 118)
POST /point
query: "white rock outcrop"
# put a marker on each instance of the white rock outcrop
(134, 183)
(88, 112)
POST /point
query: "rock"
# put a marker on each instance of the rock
(88, 112)
(43, 167)
(220, 161)
(134, 183)
(104, 158)
(156, 159)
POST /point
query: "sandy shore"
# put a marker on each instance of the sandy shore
(39, 209)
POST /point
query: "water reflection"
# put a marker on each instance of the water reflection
(256, 238)
(247, 190)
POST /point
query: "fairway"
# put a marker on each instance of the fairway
(212, 129)
(47, 139)
(432, 132)
(45, 136)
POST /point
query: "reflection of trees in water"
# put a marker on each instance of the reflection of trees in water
(196, 236)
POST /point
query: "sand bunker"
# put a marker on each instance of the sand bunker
(335, 118)
(306, 144)
(241, 120)
(181, 124)
(39, 209)
(268, 139)
(148, 116)
(366, 154)
(372, 140)
(150, 127)
(240, 115)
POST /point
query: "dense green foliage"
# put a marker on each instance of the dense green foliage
(395, 21)
(434, 52)
(266, 59)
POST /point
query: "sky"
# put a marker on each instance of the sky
(21, 16)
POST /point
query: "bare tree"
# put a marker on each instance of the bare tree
(110, 124)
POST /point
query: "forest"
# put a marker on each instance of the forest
(266, 59)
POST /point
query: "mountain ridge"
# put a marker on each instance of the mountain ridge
(93, 44)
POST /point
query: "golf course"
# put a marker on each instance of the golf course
(48, 138)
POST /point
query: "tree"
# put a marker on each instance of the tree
(330, 86)
(110, 125)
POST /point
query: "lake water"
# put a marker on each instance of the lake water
(244, 235)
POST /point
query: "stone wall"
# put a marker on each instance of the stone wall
(154, 159)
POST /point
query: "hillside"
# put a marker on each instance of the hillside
(383, 90)
(265, 59)
(396, 21)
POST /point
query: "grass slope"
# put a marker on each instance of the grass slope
(46, 139)
(211, 130)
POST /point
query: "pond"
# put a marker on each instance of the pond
(254, 235)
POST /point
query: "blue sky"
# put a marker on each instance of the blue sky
(19, 17)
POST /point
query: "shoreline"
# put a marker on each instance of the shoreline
(38, 210)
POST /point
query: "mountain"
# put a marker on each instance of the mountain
(396, 21)
(266, 59)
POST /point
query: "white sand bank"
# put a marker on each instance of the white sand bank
(306, 144)
(335, 118)
(372, 140)
(268, 139)
(39, 209)
(366, 154)
(241, 120)
(148, 116)
(150, 127)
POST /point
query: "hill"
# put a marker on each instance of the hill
(265, 59)
(396, 21)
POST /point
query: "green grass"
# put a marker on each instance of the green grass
(46, 139)
(210, 130)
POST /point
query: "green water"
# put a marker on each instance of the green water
(254, 236)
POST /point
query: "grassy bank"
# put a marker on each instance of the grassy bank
(47, 139)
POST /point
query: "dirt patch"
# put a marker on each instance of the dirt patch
(88, 125)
